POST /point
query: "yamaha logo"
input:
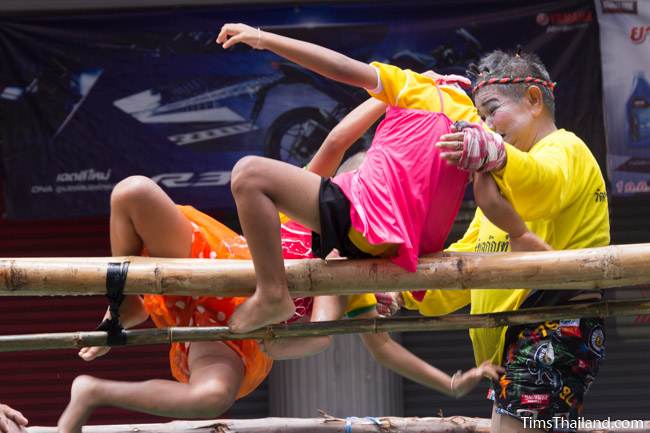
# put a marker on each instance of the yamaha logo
(565, 18)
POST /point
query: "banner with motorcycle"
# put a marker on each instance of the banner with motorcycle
(89, 99)
(625, 50)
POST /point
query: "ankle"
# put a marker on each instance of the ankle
(274, 295)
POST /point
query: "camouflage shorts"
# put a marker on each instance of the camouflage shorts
(549, 368)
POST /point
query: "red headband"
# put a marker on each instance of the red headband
(515, 80)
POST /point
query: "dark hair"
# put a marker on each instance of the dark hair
(515, 66)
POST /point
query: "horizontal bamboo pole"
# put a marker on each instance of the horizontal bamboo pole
(452, 322)
(328, 424)
(298, 425)
(595, 268)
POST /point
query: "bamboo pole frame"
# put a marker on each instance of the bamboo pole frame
(75, 340)
(594, 268)
(326, 424)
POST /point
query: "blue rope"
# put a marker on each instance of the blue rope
(350, 419)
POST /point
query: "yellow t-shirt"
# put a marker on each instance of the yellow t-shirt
(359, 304)
(407, 89)
(558, 189)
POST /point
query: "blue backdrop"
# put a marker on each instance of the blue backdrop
(87, 100)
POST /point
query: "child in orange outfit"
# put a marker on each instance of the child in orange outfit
(210, 239)
(167, 311)
(210, 375)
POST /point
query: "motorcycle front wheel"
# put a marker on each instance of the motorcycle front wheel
(296, 135)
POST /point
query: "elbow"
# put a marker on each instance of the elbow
(378, 349)
(380, 357)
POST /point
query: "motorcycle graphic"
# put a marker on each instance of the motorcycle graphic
(289, 111)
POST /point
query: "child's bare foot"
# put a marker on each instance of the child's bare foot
(82, 403)
(528, 241)
(90, 353)
(259, 311)
(293, 348)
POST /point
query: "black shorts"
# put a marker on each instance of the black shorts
(334, 208)
(549, 368)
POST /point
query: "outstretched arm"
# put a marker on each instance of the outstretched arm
(396, 357)
(325, 308)
(342, 136)
(323, 61)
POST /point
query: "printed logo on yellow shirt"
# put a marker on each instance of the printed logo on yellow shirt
(600, 196)
(491, 245)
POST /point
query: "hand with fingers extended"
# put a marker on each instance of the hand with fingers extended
(11, 421)
(232, 34)
(462, 383)
(473, 148)
(91, 353)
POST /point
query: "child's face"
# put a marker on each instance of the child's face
(507, 116)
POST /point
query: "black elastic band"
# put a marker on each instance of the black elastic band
(115, 280)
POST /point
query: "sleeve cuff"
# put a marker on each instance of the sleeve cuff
(379, 87)
(514, 162)
(359, 311)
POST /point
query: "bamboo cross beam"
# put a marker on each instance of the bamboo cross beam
(329, 424)
(452, 322)
(595, 268)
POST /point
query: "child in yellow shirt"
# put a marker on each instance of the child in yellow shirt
(554, 183)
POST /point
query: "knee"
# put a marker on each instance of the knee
(211, 402)
(131, 191)
(245, 174)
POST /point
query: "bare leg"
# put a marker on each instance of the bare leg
(325, 308)
(142, 215)
(507, 424)
(216, 373)
(261, 188)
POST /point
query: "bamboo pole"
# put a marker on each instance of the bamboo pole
(595, 268)
(298, 425)
(452, 322)
(454, 424)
